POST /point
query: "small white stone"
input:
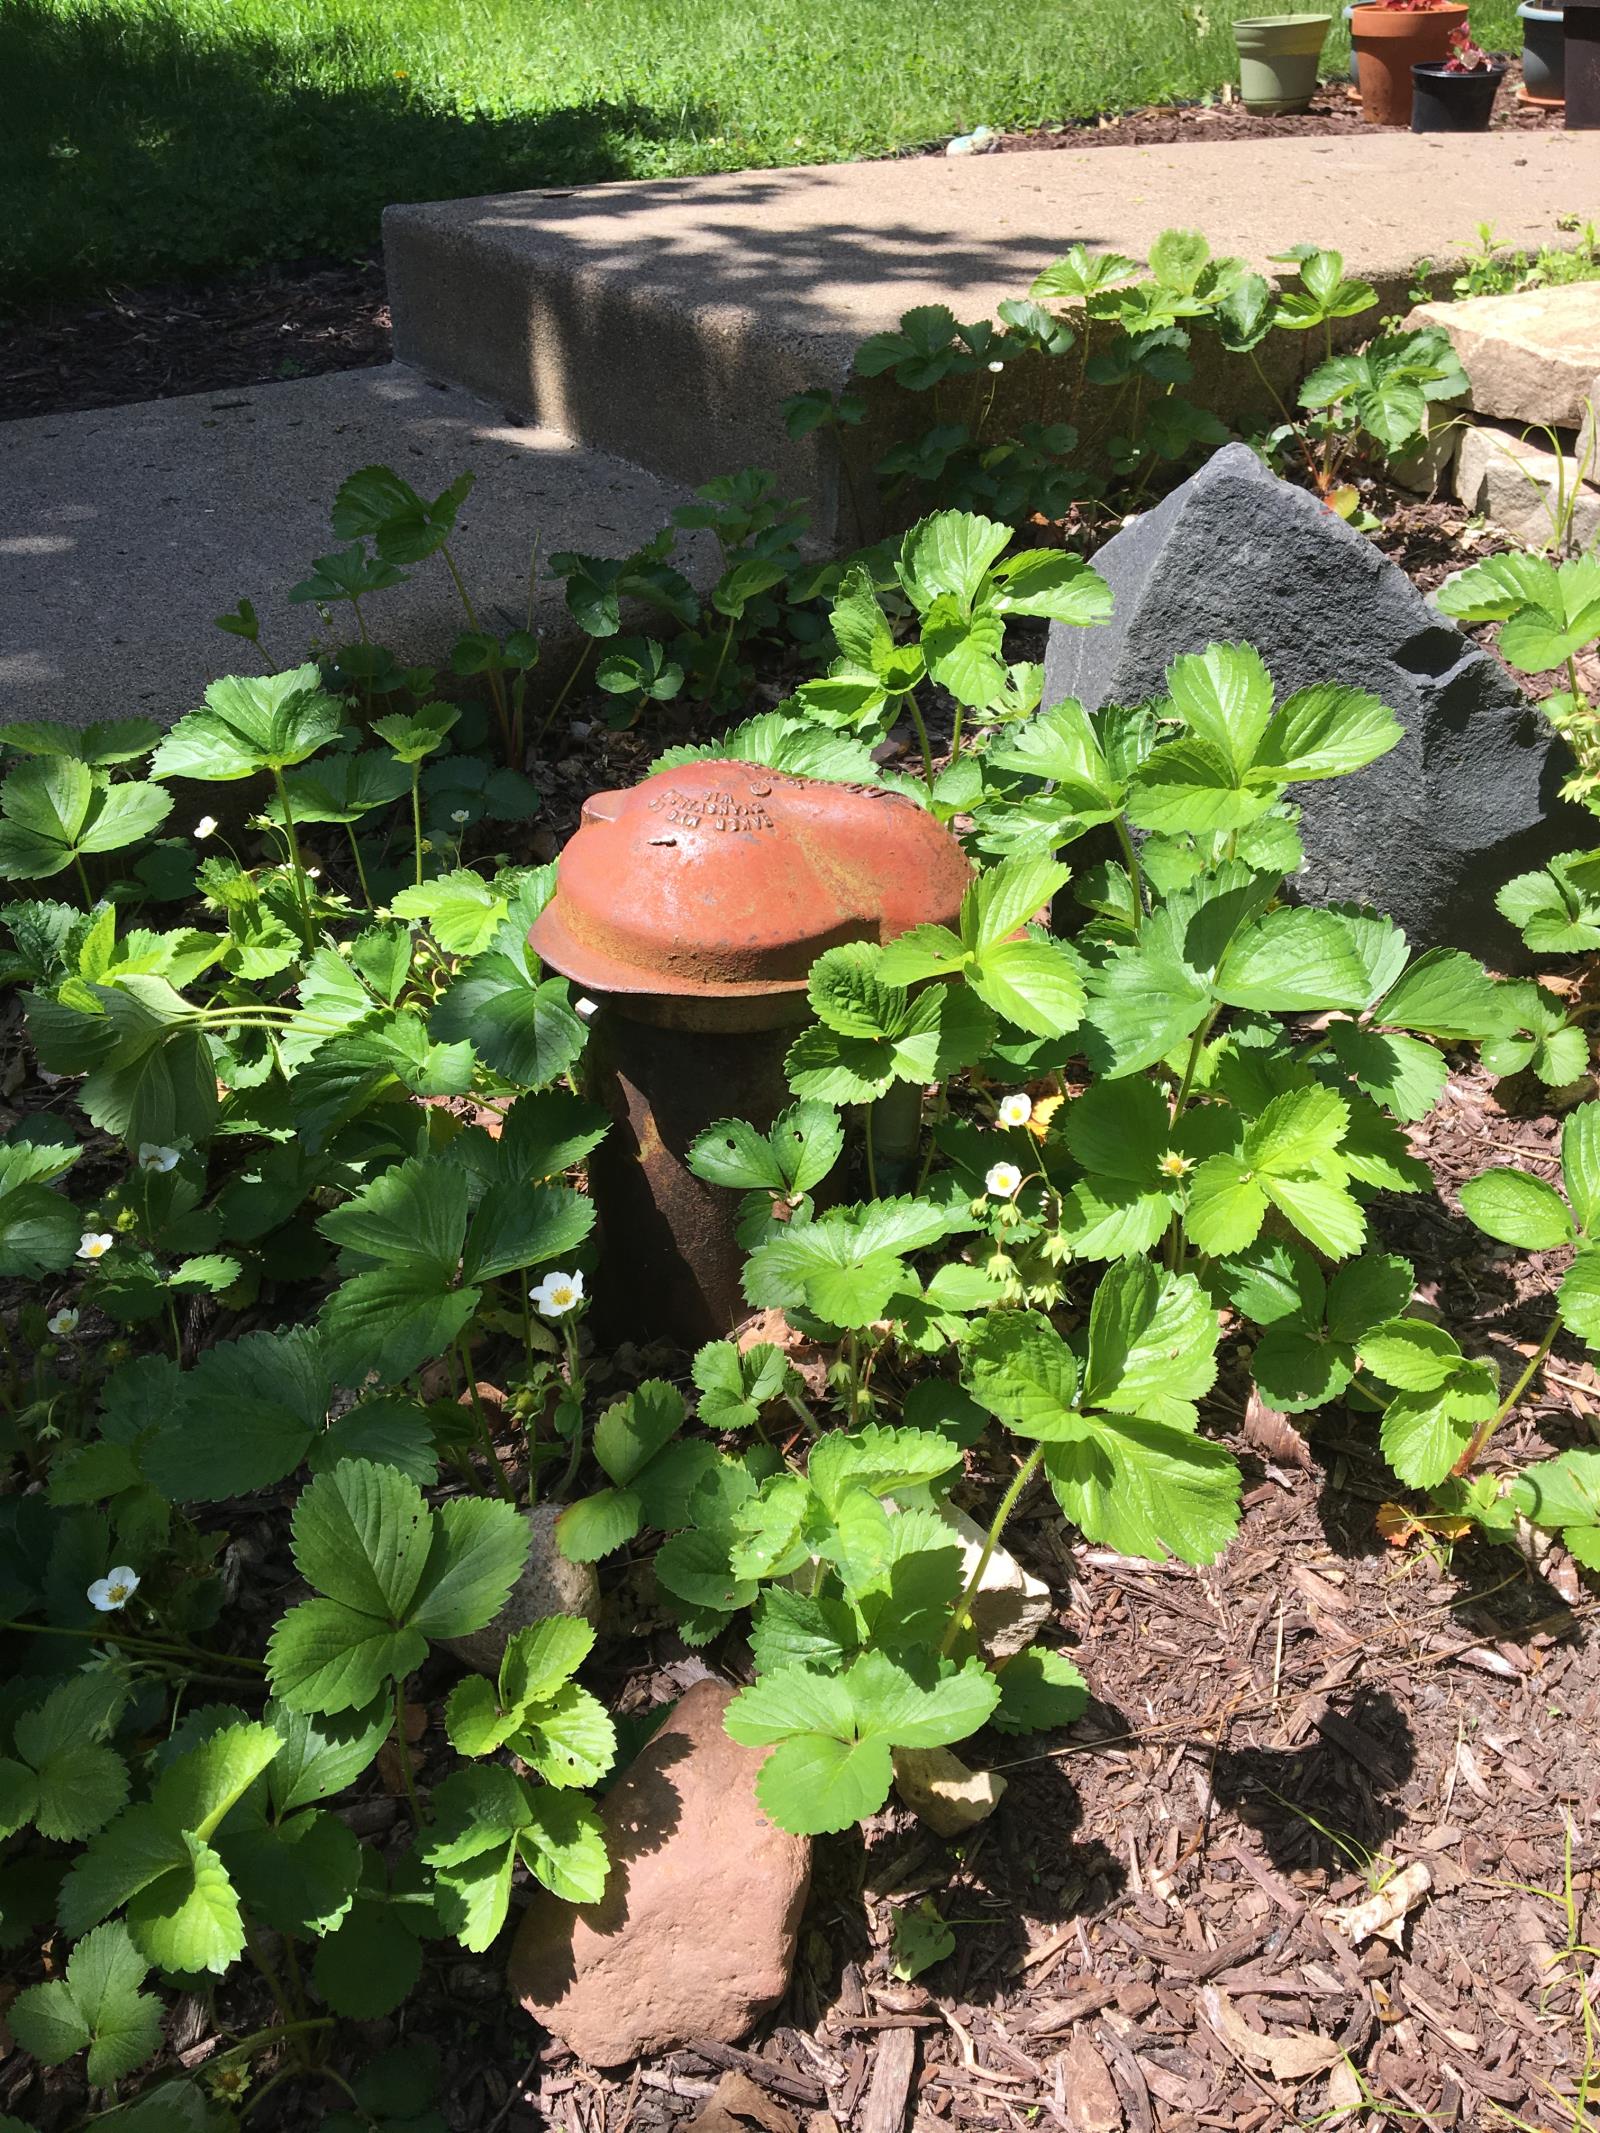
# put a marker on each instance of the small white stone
(550, 1585)
(940, 1790)
(1010, 1606)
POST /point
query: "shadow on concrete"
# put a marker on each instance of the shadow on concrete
(669, 320)
(129, 529)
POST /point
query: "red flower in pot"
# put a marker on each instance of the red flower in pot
(1456, 94)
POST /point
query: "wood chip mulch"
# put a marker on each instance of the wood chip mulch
(1336, 109)
(284, 322)
(1150, 1930)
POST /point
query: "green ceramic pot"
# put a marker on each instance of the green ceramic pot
(1278, 57)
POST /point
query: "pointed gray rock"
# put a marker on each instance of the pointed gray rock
(1429, 833)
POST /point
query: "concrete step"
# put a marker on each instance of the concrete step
(666, 321)
(128, 529)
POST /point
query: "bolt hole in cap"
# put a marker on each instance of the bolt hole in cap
(725, 881)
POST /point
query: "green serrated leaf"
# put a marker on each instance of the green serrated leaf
(97, 2006)
(1146, 1488)
(1517, 1208)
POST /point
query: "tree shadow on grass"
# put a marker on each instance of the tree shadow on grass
(136, 149)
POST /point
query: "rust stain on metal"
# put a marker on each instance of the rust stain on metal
(692, 908)
(721, 881)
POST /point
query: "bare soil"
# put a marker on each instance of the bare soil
(154, 344)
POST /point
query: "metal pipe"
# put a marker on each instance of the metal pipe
(691, 909)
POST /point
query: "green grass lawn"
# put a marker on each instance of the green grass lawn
(147, 138)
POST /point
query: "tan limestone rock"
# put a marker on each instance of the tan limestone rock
(1426, 465)
(1011, 1605)
(1521, 487)
(942, 1791)
(1532, 356)
(695, 1934)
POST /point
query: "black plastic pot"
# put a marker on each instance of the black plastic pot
(1442, 102)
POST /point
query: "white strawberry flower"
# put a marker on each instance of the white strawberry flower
(1003, 1180)
(152, 1156)
(94, 1244)
(62, 1324)
(114, 1590)
(557, 1294)
(206, 826)
(460, 814)
(1015, 1110)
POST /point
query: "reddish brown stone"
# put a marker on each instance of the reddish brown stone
(695, 1934)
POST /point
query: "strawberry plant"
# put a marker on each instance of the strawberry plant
(1549, 614)
(300, 1255)
(1093, 413)
(278, 1239)
(833, 1735)
(1442, 1411)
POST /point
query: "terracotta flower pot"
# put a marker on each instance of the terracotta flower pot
(1389, 42)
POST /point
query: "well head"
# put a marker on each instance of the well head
(720, 883)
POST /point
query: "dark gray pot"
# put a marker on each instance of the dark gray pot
(1544, 53)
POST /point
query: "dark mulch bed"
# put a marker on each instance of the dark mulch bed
(1268, 1740)
(153, 344)
(1336, 108)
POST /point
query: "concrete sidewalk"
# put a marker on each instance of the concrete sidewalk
(129, 528)
(666, 321)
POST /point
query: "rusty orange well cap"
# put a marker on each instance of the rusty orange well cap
(726, 881)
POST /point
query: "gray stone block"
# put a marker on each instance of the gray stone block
(1469, 797)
